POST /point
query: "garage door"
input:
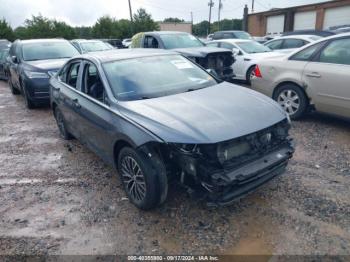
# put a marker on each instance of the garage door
(305, 20)
(336, 16)
(275, 24)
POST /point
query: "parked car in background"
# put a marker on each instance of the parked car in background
(315, 76)
(126, 42)
(247, 54)
(32, 64)
(158, 117)
(323, 33)
(3, 63)
(87, 46)
(342, 30)
(231, 34)
(4, 44)
(209, 37)
(116, 43)
(216, 59)
(259, 39)
(288, 44)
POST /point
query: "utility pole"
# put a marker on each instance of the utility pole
(191, 22)
(220, 7)
(132, 23)
(252, 6)
(210, 4)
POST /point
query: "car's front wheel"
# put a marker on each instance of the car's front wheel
(145, 183)
(292, 99)
(250, 75)
(14, 91)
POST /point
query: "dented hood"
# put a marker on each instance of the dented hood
(200, 51)
(210, 115)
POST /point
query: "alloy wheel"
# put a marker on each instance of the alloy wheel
(289, 100)
(133, 178)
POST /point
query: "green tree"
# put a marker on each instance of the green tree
(143, 22)
(39, 27)
(125, 28)
(83, 32)
(173, 20)
(61, 29)
(105, 27)
(6, 31)
(201, 28)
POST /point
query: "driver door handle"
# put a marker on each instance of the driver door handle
(313, 74)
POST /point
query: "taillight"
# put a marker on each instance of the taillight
(257, 72)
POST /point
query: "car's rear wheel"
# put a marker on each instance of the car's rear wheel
(143, 181)
(250, 75)
(292, 99)
(14, 91)
(61, 125)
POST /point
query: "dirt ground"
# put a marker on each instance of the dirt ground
(57, 197)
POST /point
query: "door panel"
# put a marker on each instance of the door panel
(330, 87)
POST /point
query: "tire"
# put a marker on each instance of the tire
(249, 75)
(29, 103)
(145, 183)
(61, 125)
(14, 91)
(292, 99)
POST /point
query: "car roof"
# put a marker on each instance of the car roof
(121, 54)
(86, 40)
(303, 37)
(233, 40)
(229, 31)
(44, 40)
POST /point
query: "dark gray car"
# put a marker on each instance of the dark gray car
(158, 117)
(32, 63)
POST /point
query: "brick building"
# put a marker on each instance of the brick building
(318, 16)
(182, 27)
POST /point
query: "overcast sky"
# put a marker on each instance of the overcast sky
(85, 12)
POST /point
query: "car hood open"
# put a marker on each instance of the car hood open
(210, 115)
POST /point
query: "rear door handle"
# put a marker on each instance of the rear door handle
(76, 103)
(313, 74)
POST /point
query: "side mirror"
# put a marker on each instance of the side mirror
(14, 59)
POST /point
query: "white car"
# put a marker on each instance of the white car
(247, 54)
(288, 44)
(126, 42)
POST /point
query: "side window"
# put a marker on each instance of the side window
(217, 35)
(150, 42)
(337, 52)
(226, 45)
(307, 53)
(277, 44)
(92, 84)
(75, 44)
(293, 43)
(69, 74)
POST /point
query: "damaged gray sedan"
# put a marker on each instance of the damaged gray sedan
(158, 117)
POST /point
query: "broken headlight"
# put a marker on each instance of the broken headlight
(231, 149)
(187, 148)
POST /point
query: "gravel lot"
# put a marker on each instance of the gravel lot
(57, 197)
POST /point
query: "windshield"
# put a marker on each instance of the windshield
(252, 47)
(48, 50)
(150, 77)
(171, 41)
(93, 46)
(3, 54)
(242, 35)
